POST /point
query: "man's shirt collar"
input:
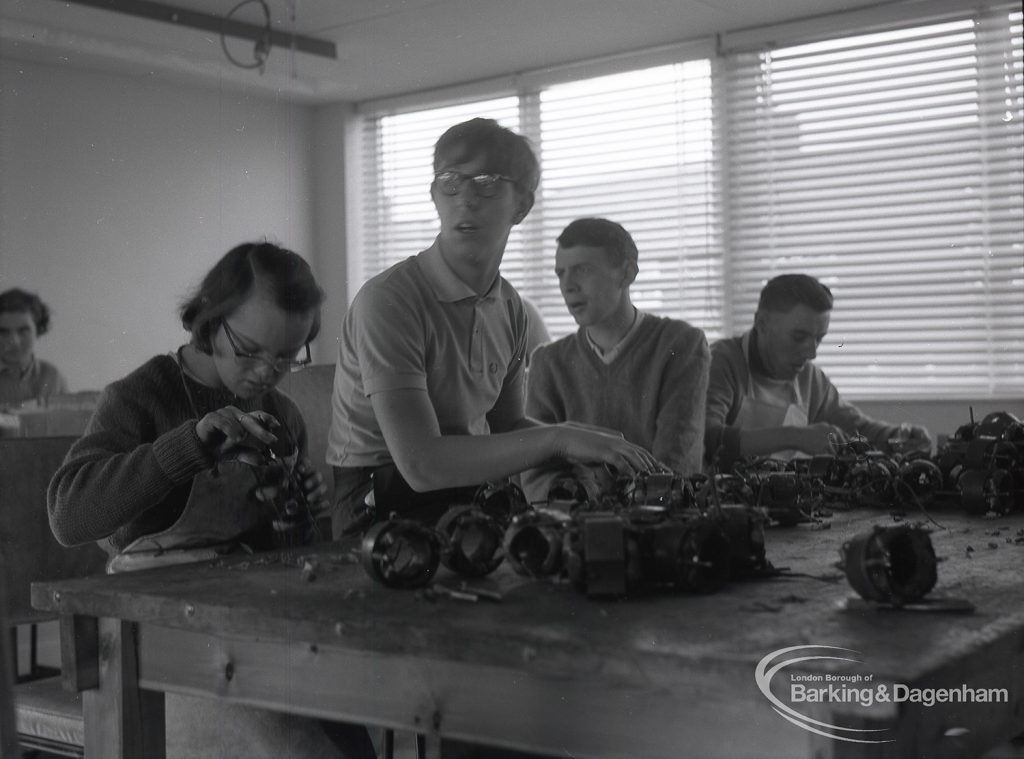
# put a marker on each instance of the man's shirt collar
(445, 284)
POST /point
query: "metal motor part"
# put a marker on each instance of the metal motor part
(993, 491)
(472, 541)
(401, 553)
(744, 527)
(664, 490)
(781, 496)
(567, 493)
(895, 565)
(692, 555)
(533, 544)
(601, 555)
(922, 478)
(501, 501)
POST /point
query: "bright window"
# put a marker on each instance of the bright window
(635, 147)
(887, 163)
(398, 215)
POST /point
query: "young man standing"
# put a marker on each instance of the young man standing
(428, 390)
(766, 397)
(641, 375)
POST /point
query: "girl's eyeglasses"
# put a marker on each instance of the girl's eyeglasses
(278, 365)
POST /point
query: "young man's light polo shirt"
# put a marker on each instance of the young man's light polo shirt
(418, 326)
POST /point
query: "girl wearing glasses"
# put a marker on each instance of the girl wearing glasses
(195, 453)
(192, 455)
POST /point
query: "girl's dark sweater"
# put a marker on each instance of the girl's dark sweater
(131, 472)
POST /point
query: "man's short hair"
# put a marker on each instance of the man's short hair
(787, 291)
(600, 233)
(502, 150)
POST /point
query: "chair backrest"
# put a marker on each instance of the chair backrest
(28, 547)
(311, 390)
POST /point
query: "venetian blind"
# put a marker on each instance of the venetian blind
(889, 164)
(635, 146)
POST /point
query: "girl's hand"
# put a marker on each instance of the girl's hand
(230, 433)
(313, 486)
(279, 480)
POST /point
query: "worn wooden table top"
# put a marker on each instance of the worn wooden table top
(682, 647)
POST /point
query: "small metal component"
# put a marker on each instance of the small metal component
(744, 527)
(780, 497)
(922, 477)
(501, 501)
(602, 557)
(472, 541)
(568, 493)
(894, 565)
(662, 489)
(401, 553)
(533, 544)
(692, 555)
(490, 595)
(458, 595)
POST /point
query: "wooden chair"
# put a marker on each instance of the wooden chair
(311, 390)
(48, 717)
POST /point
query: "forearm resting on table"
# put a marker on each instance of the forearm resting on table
(445, 461)
(429, 460)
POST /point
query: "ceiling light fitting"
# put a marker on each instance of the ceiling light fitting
(263, 37)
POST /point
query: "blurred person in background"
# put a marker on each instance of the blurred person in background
(23, 377)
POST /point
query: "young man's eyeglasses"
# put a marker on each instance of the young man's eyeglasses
(278, 365)
(484, 185)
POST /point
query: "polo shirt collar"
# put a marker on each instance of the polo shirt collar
(445, 284)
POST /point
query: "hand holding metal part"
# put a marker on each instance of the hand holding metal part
(230, 434)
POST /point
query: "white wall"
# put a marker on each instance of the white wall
(117, 193)
(331, 209)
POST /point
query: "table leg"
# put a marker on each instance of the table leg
(122, 721)
(428, 747)
(8, 668)
(388, 743)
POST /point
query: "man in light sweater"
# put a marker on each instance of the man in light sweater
(641, 375)
(766, 397)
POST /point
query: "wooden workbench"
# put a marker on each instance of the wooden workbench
(546, 669)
